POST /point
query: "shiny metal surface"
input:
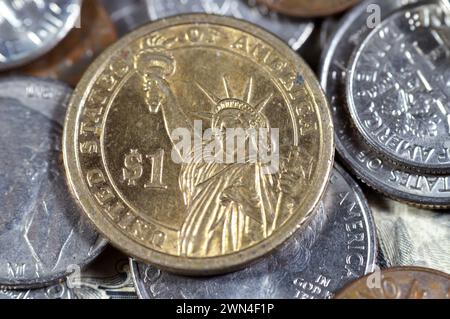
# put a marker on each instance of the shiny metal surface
(293, 31)
(398, 88)
(421, 189)
(30, 28)
(43, 236)
(338, 247)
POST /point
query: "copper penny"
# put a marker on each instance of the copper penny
(400, 283)
(308, 8)
(68, 61)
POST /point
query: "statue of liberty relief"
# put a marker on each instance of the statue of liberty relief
(228, 206)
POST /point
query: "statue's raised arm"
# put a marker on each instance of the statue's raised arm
(155, 65)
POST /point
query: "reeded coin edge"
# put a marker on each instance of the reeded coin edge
(194, 266)
(350, 106)
(372, 249)
(309, 14)
(387, 190)
(68, 25)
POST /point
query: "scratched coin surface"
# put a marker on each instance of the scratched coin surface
(336, 248)
(309, 8)
(43, 235)
(400, 283)
(293, 31)
(131, 164)
(68, 61)
(398, 88)
(396, 182)
(30, 28)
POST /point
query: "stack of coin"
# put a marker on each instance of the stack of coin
(390, 95)
(200, 145)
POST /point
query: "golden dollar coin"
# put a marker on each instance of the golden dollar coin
(309, 8)
(198, 143)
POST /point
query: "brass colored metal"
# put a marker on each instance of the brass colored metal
(309, 8)
(68, 61)
(400, 283)
(197, 217)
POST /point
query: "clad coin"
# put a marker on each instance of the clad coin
(398, 88)
(30, 28)
(43, 234)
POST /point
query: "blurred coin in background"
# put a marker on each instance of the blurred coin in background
(293, 31)
(31, 28)
(42, 233)
(400, 283)
(127, 15)
(68, 61)
(309, 8)
(337, 247)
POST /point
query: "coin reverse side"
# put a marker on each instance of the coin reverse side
(398, 88)
(428, 190)
(30, 28)
(337, 247)
(171, 206)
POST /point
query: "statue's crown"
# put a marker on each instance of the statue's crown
(258, 119)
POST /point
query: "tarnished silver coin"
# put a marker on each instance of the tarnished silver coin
(31, 28)
(127, 15)
(293, 31)
(398, 88)
(43, 236)
(337, 247)
(421, 189)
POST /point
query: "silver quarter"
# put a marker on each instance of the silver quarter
(31, 28)
(398, 183)
(127, 15)
(293, 31)
(43, 236)
(398, 88)
(336, 248)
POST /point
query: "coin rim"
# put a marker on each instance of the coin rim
(59, 277)
(423, 270)
(299, 43)
(351, 105)
(369, 221)
(69, 23)
(179, 264)
(278, 7)
(344, 152)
